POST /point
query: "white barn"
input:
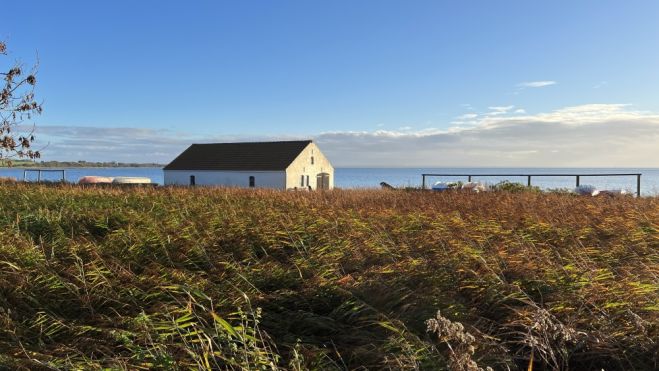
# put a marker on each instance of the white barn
(282, 165)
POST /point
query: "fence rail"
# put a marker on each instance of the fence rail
(529, 176)
(39, 171)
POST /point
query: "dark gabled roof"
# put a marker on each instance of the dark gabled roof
(239, 156)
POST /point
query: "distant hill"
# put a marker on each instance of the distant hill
(29, 163)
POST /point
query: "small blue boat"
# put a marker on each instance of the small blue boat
(440, 186)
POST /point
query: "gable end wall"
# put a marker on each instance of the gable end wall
(302, 166)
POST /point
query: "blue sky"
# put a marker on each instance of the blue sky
(399, 70)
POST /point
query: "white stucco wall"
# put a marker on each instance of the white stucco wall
(263, 179)
(302, 166)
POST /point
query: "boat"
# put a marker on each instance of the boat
(131, 180)
(386, 185)
(609, 192)
(585, 190)
(440, 186)
(92, 179)
(475, 187)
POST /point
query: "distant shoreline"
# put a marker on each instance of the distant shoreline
(19, 164)
(81, 167)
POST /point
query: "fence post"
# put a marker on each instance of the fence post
(529, 181)
(577, 181)
(423, 182)
(638, 185)
(469, 178)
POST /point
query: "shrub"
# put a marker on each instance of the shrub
(508, 186)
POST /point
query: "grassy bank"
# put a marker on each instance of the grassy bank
(209, 278)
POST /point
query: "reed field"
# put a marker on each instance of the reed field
(203, 278)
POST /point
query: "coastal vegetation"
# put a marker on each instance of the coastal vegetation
(209, 278)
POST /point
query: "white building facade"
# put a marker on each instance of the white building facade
(279, 165)
(260, 179)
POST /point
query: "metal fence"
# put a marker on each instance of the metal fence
(39, 171)
(529, 176)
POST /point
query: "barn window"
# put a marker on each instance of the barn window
(307, 180)
(311, 160)
(252, 181)
(301, 180)
(192, 180)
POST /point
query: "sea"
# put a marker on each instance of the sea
(407, 177)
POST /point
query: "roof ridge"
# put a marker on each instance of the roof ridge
(260, 142)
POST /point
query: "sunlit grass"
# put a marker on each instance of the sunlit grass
(223, 278)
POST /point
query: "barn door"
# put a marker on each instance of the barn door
(322, 181)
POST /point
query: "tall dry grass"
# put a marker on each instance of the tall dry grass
(172, 278)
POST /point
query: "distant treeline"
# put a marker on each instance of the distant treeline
(28, 163)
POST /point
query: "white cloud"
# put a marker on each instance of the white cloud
(608, 135)
(600, 84)
(467, 116)
(499, 110)
(122, 144)
(536, 84)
